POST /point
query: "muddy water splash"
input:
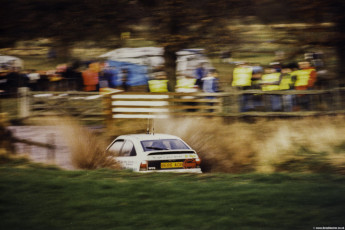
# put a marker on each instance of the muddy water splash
(263, 146)
(309, 144)
(87, 147)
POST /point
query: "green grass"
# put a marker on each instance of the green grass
(44, 197)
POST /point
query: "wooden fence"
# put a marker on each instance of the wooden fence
(85, 106)
(142, 105)
(161, 105)
(136, 105)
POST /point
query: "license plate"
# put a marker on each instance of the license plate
(167, 165)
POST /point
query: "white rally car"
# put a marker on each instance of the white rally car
(154, 152)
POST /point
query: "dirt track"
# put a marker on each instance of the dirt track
(44, 134)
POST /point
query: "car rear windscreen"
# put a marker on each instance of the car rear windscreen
(165, 144)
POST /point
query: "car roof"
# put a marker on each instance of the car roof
(143, 137)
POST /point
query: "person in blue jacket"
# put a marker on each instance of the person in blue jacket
(211, 85)
(211, 82)
(200, 73)
(111, 74)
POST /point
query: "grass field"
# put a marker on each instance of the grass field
(44, 197)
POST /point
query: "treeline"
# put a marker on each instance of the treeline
(174, 24)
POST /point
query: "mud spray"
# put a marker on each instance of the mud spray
(87, 147)
(309, 144)
(294, 145)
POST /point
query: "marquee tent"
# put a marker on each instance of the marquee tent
(142, 61)
(7, 62)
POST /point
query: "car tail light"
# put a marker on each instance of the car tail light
(143, 166)
(198, 162)
(189, 163)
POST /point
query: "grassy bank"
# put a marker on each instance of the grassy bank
(37, 197)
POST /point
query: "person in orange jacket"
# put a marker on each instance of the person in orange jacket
(90, 79)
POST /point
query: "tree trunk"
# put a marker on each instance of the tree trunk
(340, 42)
(170, 65)
(340, 46)
(341, 62)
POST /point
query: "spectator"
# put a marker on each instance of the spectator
(43, 82)
(276, 66)
(33, 77)
(112, 75)
(257, 99)
(103, 78)
(90, 79)
(242, 80)
(211, 84)
(159, 84)
(186, 84)
(71, 76)
(305, 79)
(306, 76)
(270, 82)
(200, 73)
(125, 79)
(287, 83)
(15, 79)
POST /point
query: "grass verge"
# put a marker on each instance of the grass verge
(43, 197)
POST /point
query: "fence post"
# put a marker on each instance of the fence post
(337, 99)
(234, 101)
(108, 112)
(24, 102)
(51, 149)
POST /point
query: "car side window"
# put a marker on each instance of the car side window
(128, 149)
(115, 149)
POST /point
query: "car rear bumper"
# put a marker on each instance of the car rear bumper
(194, 170)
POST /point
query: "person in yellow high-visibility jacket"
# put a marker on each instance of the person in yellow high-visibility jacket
(305, 80)
(158, 86)
(270, 82)
(242, 80)
(242, 76)
(306, 76)
(287, 83)
(186, 85)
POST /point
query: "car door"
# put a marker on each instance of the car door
(115, 148)
(128, 156)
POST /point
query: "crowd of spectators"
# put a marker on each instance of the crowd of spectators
(91, 76)
(78, 76)
(272, 78)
